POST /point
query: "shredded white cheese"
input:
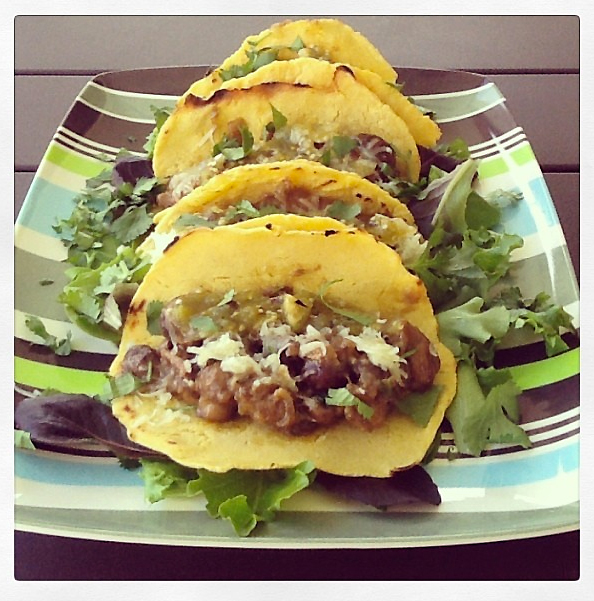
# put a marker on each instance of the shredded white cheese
(220, 348)
(380, 353)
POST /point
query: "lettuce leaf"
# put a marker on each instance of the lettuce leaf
(243, 497)
(471, 332)
(485, 410)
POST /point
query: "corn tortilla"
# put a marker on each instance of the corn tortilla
(269, 253)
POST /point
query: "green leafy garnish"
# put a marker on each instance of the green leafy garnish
(161, 115)
(419, 406)
(540, 315)
(235, 147)
(341, 397)
(259, 58)
(227, 298)
(457, 149)
(244, 497)
(153, 317)
(463, 257)
(342, 145)
(168, 479)
(22, 440)
(471, 332)
(190, 221)
(120, 385)
(204, 325)
(90, 296)
(61, 346)
(343, 211)
(278, 121)
(256, 59)
(485, 410)
(354, 315)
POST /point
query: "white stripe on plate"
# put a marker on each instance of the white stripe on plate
(114, 115)
(533, 243)
(81, 341)
(63, 178)
(91, 144)
(86, 150)
(39, 244)
(94, 84)
(509, 456)
(482, 109)
(491, 142)
(459, 94)
(493, 149)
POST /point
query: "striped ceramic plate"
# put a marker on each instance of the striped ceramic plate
(507, 493)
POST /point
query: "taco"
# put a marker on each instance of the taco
(297, 187)
(298, 109)
(326, 39)
(423, 129)
(284, 339)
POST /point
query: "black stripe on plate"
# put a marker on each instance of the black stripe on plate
(507, 450)
(77, 359)
(104, 129)
(83, 151)
(530, 353)
(65, 138)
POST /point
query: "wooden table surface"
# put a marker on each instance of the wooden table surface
(535, 62)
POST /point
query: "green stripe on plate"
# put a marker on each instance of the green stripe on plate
(492, 167)
(522, 155)
(547, 371)
(65, 379)
(76, 163)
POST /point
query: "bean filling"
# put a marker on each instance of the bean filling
(289, 361)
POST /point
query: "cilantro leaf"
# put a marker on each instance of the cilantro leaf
(161, 115)
(153, 317)
(341, 397)
(61, 347)
(343, 211)
(354, 315)
(204, 325)
(342, 145)
(278, 121)
(235, 149)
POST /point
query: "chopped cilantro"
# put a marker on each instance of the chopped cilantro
(354, 315)
(342, 145)
(59, 346)
(232, 148)
(204, 325)
(227, 298)
(343, 211)
(153, 317)
(341, 397)
(161, 115)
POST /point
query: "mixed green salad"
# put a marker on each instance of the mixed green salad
(465, 266)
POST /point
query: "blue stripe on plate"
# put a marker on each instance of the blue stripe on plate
(52, 203)
(524, 470)
(69, 472)
(541, 193)
(488, 473)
